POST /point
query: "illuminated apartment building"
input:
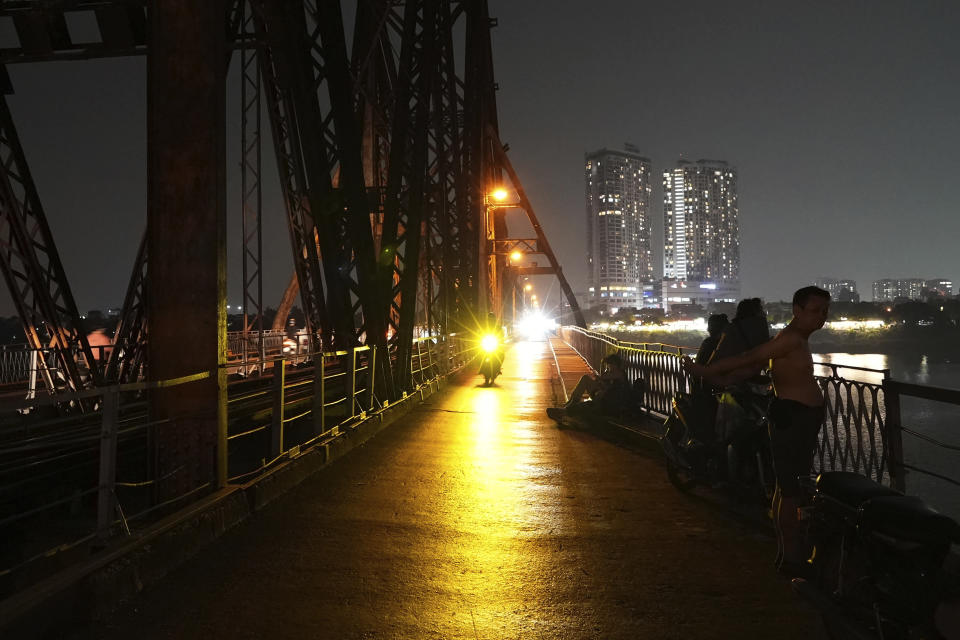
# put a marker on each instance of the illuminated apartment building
(619, 255)
(840, 290)
(911, 288)
(701, 261)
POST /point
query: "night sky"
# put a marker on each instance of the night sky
(842, 118)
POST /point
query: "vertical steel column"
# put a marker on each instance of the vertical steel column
(186, 213)
(129, 351)
(251, 201)
(405, 202)
(480, 111)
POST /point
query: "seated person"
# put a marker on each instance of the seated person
(608, 391)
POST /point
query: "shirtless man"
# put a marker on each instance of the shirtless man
(796, 414)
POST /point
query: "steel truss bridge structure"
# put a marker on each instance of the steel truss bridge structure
(385, 150)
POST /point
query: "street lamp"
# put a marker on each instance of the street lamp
(516, 256)
(489, 278)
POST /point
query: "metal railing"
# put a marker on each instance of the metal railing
(656, 365)
(68, 481)
(862, 430)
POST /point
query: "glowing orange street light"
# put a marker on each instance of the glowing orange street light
(528, 287)
(499, 195)
(516, 256)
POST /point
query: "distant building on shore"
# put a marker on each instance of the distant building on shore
(619, 228)
(840, 290)
(941, 287)
(701, 252)
(890, 289)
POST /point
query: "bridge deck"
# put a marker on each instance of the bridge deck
(475, 517)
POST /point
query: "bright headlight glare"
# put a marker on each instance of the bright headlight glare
(489, 343)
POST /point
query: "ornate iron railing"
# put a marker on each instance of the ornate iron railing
(862, 430)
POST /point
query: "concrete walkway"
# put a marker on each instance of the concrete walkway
(475, 517)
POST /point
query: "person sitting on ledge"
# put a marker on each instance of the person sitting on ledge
(608, 391)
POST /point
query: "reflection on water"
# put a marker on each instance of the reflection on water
(936, 420)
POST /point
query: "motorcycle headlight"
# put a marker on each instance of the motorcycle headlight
(489, 343)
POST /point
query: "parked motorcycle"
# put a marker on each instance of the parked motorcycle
(877, 565)
(739, 457)
(491, 358)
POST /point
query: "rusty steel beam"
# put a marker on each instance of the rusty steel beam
(542, 244)
(186, 230)
(43, 32)
(481, 169)
(128, 356)
(34, 274)
(288, 90)
(251, 193)
(404, 203)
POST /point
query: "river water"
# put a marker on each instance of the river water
(936, 420)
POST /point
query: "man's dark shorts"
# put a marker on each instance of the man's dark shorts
(793, 440)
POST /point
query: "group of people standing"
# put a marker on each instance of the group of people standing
(738, 351)
(796, 413)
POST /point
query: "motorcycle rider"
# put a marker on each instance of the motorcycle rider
(492, 327)
(796, 413)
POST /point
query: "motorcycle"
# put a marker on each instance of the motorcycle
(740, 457)
(491, 358)
(877, 568)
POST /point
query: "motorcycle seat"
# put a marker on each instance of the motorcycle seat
(851, 488)
(908, 518)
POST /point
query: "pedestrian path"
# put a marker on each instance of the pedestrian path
(571, 365)
(475, 517)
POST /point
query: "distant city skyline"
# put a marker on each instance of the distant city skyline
(840, 119)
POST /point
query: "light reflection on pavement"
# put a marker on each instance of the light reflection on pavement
(475, 517)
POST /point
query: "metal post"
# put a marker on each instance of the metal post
(352, 382)
(371, 376)
(222, 428)
(276, 437)
(430, 357)
(32, 387)
(108, 461)
(894, 440)
(319, 396)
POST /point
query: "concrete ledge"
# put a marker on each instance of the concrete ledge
(67, 601)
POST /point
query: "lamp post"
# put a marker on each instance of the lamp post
(490, 284)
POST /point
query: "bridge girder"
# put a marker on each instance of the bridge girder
(385, 156)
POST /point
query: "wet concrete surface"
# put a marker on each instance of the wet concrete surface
(476, 517)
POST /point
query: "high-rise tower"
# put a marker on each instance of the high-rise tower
(619, 256)
(701, 261)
